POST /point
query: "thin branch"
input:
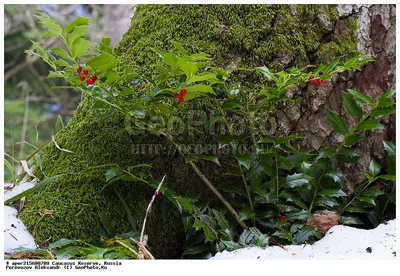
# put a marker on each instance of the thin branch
(127, 247)
(219, 195)
(142, 249)
(149, 207)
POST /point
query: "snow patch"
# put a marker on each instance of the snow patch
(340, 243)
(15, 233)
(21, 187)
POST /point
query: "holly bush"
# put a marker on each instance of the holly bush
(280, 185)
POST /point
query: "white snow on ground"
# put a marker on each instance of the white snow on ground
(15, 233)
(17, 189)
(340, 243)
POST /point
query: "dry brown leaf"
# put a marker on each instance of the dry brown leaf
(323, 221)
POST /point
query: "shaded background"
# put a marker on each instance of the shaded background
(30, 112)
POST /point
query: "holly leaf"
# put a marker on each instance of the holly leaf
(374, 168)
(337, 122)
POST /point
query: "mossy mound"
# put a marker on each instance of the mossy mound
(243, 35)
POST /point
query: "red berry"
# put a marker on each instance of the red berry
(181, 99)
(86, 72)
(311, 77)
(283, 217)
(323, 81)
(158, 193)
(176, 95)
(89, 82)
(311, 82)
(317, 83)
(82, 78)
(94, 77)
(183, 93)
(79, 70)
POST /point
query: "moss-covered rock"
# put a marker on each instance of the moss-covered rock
(278, 36)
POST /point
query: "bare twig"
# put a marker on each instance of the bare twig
(149, 208)
(143, 250)
(218, 194)
(127, 247)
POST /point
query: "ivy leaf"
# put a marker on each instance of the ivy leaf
(369, 124)
(374, 168)
(337, 122)
(360, 97)
(351, 106)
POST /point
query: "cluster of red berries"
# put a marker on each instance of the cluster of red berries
(315, 81)
(84, 76)
(180, 96)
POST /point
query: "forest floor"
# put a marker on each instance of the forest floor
(340, 242)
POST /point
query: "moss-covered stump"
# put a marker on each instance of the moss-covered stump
(278, 36)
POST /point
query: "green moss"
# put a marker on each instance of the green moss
(247, 35)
